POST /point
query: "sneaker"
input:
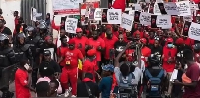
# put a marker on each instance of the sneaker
(66, 94)
(70, 89)
(73, 96)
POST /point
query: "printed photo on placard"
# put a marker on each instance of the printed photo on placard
(162, 8)
(151, 6)
(137, 16)
(186, 28)
(91, 13)
(153, 21)
(104, 16)
(84, 20)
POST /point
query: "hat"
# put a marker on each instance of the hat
(71, 41)
(47, 52)
(179, 41)
(169, 40)
(143, 40)
(78, 30)
(91, 52)
(108, 67)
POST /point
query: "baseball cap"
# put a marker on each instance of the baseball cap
(108, 67)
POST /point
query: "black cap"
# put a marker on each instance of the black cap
(47, 52)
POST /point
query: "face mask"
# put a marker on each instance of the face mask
(170, 45)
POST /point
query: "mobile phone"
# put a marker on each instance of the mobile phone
(26, 66)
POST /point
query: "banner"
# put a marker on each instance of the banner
(114, 16)
(145, 18)
(70, 7)
(97, 14)
(184, 8)
(171, 8)
(194, 31)
(164, 21)
(127, 21)
(71, 25)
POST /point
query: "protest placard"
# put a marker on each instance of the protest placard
(34, 14)
(194, 31)
(145, 18)
(127, 21)
(97, 14)
(171, 8)
(187, 18)
(184, 8)
(164, 21)
(137, 16)
(153, 21)
(132, 13)
(114, 16)
(156, 9)
(91, 13)
(71, 25)
(104, 16)
(137, 7)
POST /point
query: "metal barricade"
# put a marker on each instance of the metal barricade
(7, 75)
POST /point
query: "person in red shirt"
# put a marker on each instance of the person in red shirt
(23, 80)
(192, 89)
(96, 43)
(90, 64)
(109, 46)
(70, 71)
(188, 41)
(115, 30)
(146, 52)
(61, 50)
(151, 38)
(62, 24)
(127, 35)
(197, 52)
(80, 41)
(169, 60)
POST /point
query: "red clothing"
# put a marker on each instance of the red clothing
(197, 57)
(95, 44)
(53, 25)
(114, 82)
(80, 43)
(61, 51)
(69, 75)
(151, 41)
(16, 22)
(129, 54)
(193, 73)
(109, 44)
(167, 53)
(103, 35)
(71, 58)
(21, 81)
(90, 67)
(189, 41)
(116, 33)
(146, 52)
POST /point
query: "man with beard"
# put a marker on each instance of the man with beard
(48, 45)
(80, 41)
(119, 45)
(70, 71)
(61, 50)
(109, 46)
(96, 43)
(7, 58)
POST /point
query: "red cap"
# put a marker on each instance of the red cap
(91, 52)
(169, 40)
(71, 41)
(78, 30)
(143, 40)
(179, 41)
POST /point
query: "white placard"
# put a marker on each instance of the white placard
(131, 12)
(171, 8)
(97, 14)
(194, 31)
(174, 75)
(156, 9)
(145, 18)
(71, 25)
(184, 8)
(188, 18)
(164, 21)
(137, 7)
(127, 21)
(34, 14)
(114, 16)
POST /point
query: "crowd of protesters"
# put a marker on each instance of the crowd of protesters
(97, 60)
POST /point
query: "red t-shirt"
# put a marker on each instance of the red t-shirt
(189, 41)
(61, 51)
(109, 44)
(95, 44)
(80, 43)
(71, 57)
(169, 67)
(129, 54)
(103, 35)
(151, 41)
(21, 80)
(146, 52)
(193, 72)
(116, 33)
(90, 67)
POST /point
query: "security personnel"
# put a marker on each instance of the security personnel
(7, 58)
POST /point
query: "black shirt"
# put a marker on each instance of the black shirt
(6, 31)
(52, 64)
(82, 91)
(52, 48)
(119, 46)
